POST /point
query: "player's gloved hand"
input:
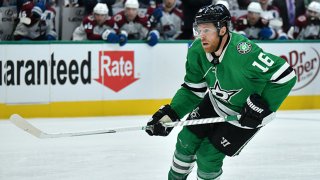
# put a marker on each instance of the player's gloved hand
(283, 36)
(153, 37)
(155, 17)
(163, 115)
(110, 36)
(157, 14)
(266, 33)
(254, 111)
(123, 38)
(49, 37)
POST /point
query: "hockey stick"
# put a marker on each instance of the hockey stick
(29, 128)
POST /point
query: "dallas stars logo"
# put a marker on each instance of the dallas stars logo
(222, 94)
(244, 47)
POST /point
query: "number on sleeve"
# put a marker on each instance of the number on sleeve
(266, 60)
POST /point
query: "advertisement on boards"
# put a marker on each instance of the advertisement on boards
(304, 58)
(82, 72)
(132, 77)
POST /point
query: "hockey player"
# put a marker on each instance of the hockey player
(253, 25)
(272, 15)
(135, 25)
(97, 26)
(226, 74)
(171, 22)
(32, 26)
(307, 25)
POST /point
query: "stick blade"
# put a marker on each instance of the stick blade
(26, 126)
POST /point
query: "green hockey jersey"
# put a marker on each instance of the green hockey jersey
(243, 69)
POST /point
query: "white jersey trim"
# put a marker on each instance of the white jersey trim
(199, 94)
(286, 78)
(280, 71)
(196, 85)
(223, 111)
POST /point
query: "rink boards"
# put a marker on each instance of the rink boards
(98, 79)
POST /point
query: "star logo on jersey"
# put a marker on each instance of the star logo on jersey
(224, 95)
(244, 47)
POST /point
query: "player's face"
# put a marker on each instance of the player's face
(253, 17)
(312, 14)
(131, 13)
(169, 3)
(100, 18)
(263, 1)
(209, 36)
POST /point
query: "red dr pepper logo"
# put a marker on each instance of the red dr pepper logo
(116, 69)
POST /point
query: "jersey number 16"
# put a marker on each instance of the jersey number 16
(266, 60)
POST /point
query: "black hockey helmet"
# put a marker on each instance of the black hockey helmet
(217, 14)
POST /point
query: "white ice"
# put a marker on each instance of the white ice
(286, 149)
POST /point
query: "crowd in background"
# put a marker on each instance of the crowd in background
(117, 21)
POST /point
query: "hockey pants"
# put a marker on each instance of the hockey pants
(191, 149)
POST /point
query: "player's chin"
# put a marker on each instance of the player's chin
(206, 47)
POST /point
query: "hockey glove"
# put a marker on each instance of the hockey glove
(49, 37)
(155, 17)
(283, 36)
(266, 33)
(254, 111)
(163, 115)
(123, 38)
(110, 36)
(153, 38)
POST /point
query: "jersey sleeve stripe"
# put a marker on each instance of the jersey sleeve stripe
(278, 73)
(286, 78)
(200, 92)
(198, 85)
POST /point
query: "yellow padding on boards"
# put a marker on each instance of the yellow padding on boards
(122, 107)
(83, 108)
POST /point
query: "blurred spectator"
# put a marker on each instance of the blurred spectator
(98, 26)
(272, 15)
(232, 4)
(170, 19)
(307, 25)
(147, 3)
(20, 3)
(89, 4)
(189, 9)
(309, 1)
(72, 3)
(50, 13)
(135, 25)
(223, 2)
(243, 4)
(252, 25)
(289, 10)
(31, 26)
(233, 18)
(267, 6)
(8, 3)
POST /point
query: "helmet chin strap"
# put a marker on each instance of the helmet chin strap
(215, 60)
(220, 40)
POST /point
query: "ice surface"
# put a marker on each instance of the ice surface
(287, 148)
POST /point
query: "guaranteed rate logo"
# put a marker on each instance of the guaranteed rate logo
(116, 69)
(32, 72)
(306, 65)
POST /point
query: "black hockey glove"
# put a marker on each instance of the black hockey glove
(254, 111)
(163, 115)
